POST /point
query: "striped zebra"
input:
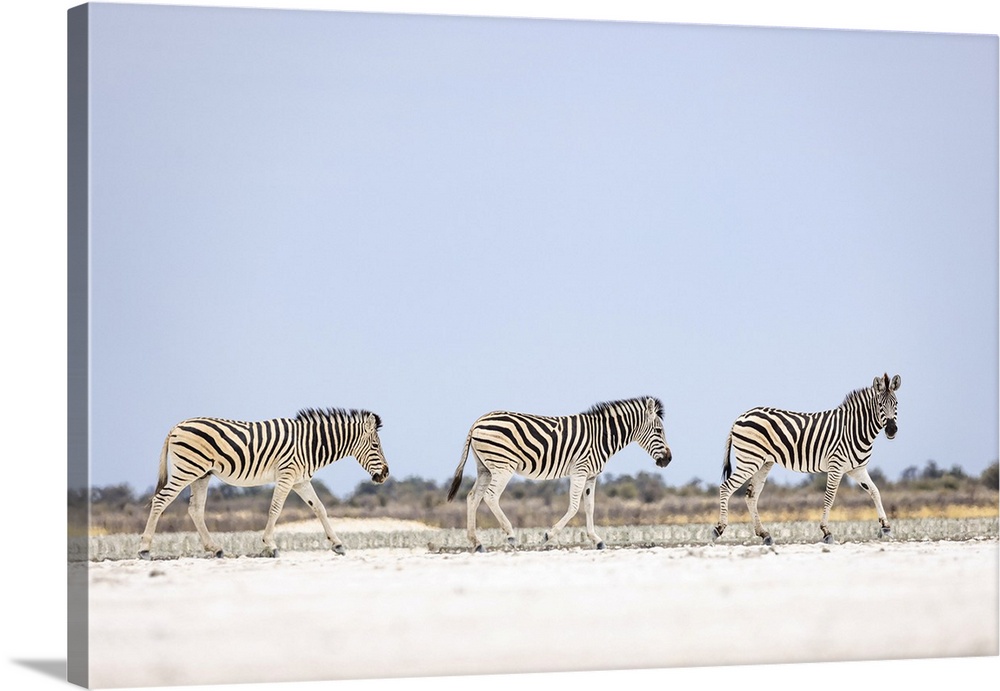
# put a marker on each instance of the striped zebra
(285, 451)
(837, 442)
(544, 448)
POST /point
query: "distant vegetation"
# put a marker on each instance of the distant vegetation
(642, 499)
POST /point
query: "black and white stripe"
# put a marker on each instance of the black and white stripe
(837, 442)
(544, 448)
(285, 451)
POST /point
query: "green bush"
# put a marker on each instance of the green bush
(991, 476)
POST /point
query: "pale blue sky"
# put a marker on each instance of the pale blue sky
(437, 217)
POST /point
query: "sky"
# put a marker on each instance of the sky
(435, 217)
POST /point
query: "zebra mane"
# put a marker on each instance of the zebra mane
(854, 395)
(611, 405)
(330, 413)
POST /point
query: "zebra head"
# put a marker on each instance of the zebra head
(650, 435)
(368, 449)
(885, 402)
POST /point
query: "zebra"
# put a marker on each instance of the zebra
(837, 442)
(541, 447)
(285, 451)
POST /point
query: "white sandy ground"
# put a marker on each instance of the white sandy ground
(351, 525)
(401, 613)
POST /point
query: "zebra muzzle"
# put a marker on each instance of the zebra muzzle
(890, 429)
(664, 460)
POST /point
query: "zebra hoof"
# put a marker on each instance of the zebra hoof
(716, 533)
(600, 545)
(885, 533)
(270, 553)
(339, 549)
(479, 549)
(512, 541)
(218, 554)
(829, 539)
(144, 554)
(768, 541)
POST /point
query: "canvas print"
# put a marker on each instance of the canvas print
(408, 345)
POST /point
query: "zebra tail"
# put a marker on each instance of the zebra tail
(457, 481)
(727, 468)
(161, 481)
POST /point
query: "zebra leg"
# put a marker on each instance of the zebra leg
(196, 509)
(833, 478)
(576, 484)
(861, 476)
(588, 507)
(499, 479)
(306, 490)
(472, 504)
(754, 488)
(281, 489)
(161, 500)
(745, 468)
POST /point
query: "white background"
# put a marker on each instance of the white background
(33, 41)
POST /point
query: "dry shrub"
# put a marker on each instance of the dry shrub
(620, 501)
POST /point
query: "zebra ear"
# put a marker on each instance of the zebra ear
(879, 384)
(652, 407)
(370, 423)
(896, 382)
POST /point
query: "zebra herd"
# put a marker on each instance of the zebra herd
(288, 451)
